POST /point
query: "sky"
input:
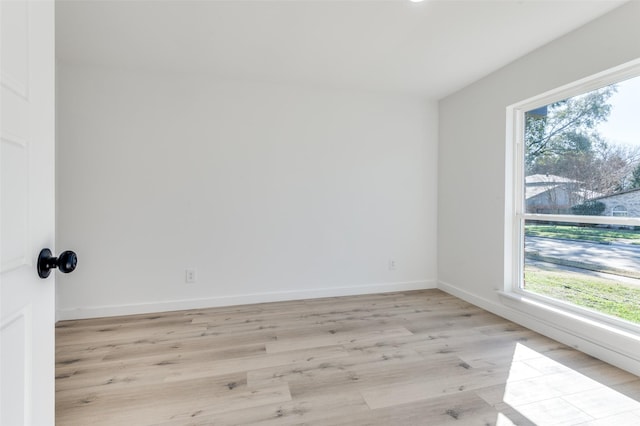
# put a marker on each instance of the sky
(623, 125)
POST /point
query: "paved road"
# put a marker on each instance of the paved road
(617, 256)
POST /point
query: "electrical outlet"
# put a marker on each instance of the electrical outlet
(392, 265)
(190, 276)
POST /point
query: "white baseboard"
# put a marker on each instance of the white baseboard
(241, 299)
(564, 332)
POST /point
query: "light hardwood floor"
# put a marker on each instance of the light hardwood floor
(413, 358)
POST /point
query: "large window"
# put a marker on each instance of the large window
(576, 210)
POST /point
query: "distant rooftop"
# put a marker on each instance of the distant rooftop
(628, 191)
(532, 191)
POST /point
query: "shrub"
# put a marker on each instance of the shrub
(589, 208)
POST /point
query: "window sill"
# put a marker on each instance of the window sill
(618, 339)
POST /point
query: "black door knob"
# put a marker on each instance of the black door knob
(66, 262)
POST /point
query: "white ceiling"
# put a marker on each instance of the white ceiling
(432, 48)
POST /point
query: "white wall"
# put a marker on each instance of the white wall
(471, 201)
(271, 192)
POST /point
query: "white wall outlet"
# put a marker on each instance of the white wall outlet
(392, 265)
(190, 276)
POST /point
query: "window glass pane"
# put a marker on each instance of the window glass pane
(591, 266)
(582, 154)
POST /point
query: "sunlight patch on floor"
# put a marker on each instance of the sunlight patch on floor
(547, 392)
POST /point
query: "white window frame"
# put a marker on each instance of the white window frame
(515, 212)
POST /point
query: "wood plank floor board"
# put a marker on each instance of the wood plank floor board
(442, 342)
(113, 337)
(298, 411)
(408, 358)
(141, 410)
(151, 352)
(334, 337)
(465, 409)
(143, 371)
(107, 395)
(606, 374)
(447, 381)
(351, 373)
(200, 337)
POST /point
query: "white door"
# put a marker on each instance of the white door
(27, 312)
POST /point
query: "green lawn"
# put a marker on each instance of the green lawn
(583, 233)
(603, 295)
